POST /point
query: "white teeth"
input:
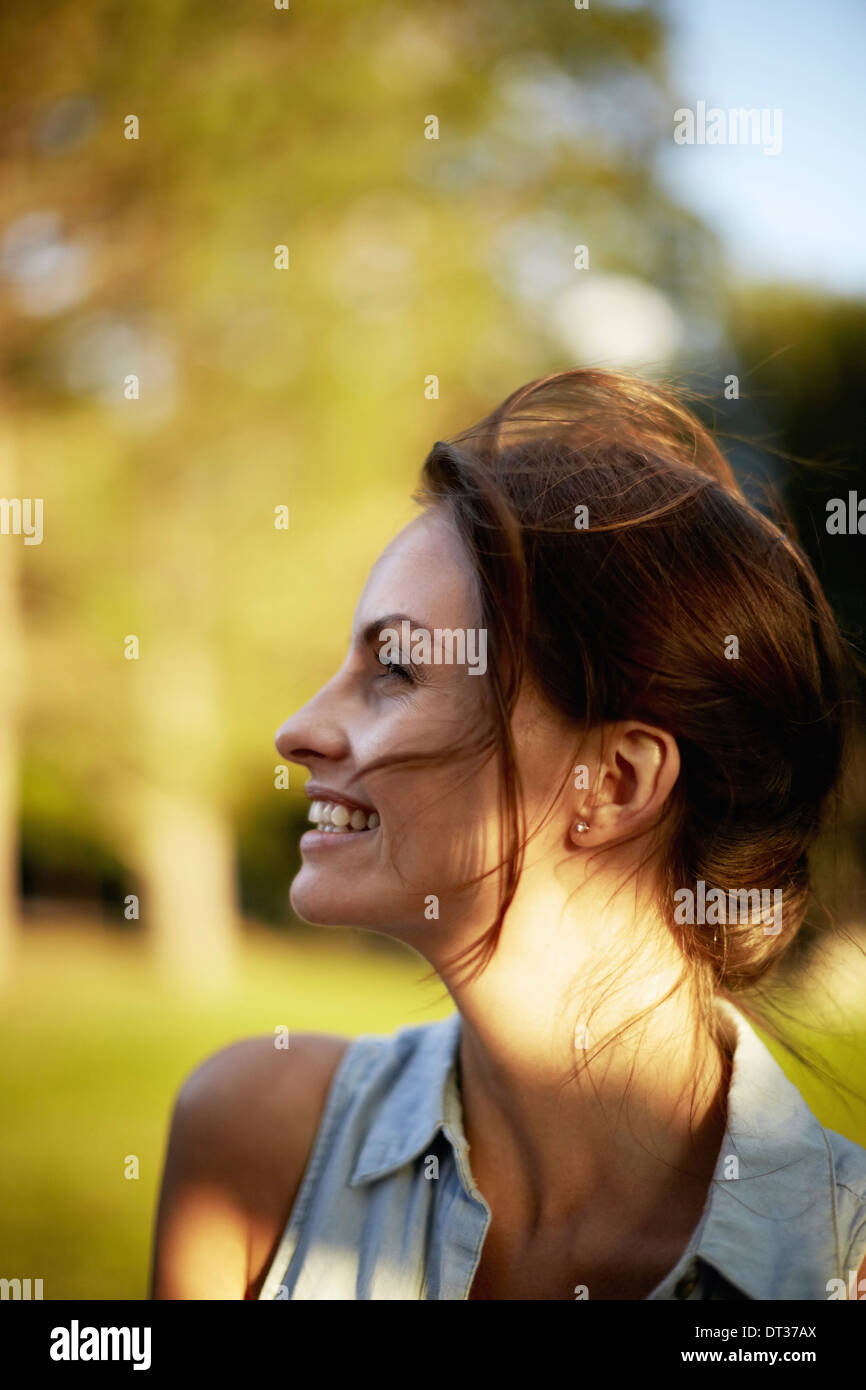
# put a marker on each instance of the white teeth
(336, 819)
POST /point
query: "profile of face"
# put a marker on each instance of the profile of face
(449, 812)
(428, 861)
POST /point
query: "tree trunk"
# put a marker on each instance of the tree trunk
(10, 675)
(184, 851)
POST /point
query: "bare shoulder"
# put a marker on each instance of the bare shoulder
(242, 1129)
(251, 1081)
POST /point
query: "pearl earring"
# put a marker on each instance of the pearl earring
(581, 827)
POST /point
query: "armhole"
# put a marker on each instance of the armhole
(331, 1112)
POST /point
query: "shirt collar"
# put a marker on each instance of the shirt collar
(769, 1221)
(421, 1100)
(784, 1171)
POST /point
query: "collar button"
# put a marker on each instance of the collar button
(686, 1285)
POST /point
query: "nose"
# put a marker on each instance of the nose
(313, 732)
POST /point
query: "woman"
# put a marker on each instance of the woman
(592, 709)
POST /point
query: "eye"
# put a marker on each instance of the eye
(392, 669)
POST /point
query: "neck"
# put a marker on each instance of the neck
(553, 1116)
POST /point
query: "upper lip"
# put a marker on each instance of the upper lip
(317, 792)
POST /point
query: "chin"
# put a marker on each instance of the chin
(320, 906)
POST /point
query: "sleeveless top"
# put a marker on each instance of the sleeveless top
(388, 1209)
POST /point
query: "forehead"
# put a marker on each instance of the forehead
(425, 571)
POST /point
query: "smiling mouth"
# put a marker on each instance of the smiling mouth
(333, 818)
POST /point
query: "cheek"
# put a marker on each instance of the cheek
(444, 826)
(547, 757)
(439, 832)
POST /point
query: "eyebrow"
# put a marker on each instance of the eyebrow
(370, 631)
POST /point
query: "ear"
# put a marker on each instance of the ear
(638, 766)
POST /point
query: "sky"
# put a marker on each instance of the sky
(799, 215)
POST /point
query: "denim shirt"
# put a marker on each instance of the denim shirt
(388, 1209)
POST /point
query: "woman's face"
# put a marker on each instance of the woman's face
(434, 825)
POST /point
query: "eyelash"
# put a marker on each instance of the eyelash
(401, 672)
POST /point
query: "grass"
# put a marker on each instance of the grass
(94, 1050)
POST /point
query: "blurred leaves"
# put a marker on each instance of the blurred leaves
(305, 387)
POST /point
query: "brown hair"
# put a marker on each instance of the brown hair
(627, 617)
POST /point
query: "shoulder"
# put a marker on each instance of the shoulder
(242, 1128)
(251, 1080)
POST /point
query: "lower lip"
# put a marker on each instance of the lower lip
(321, 839)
